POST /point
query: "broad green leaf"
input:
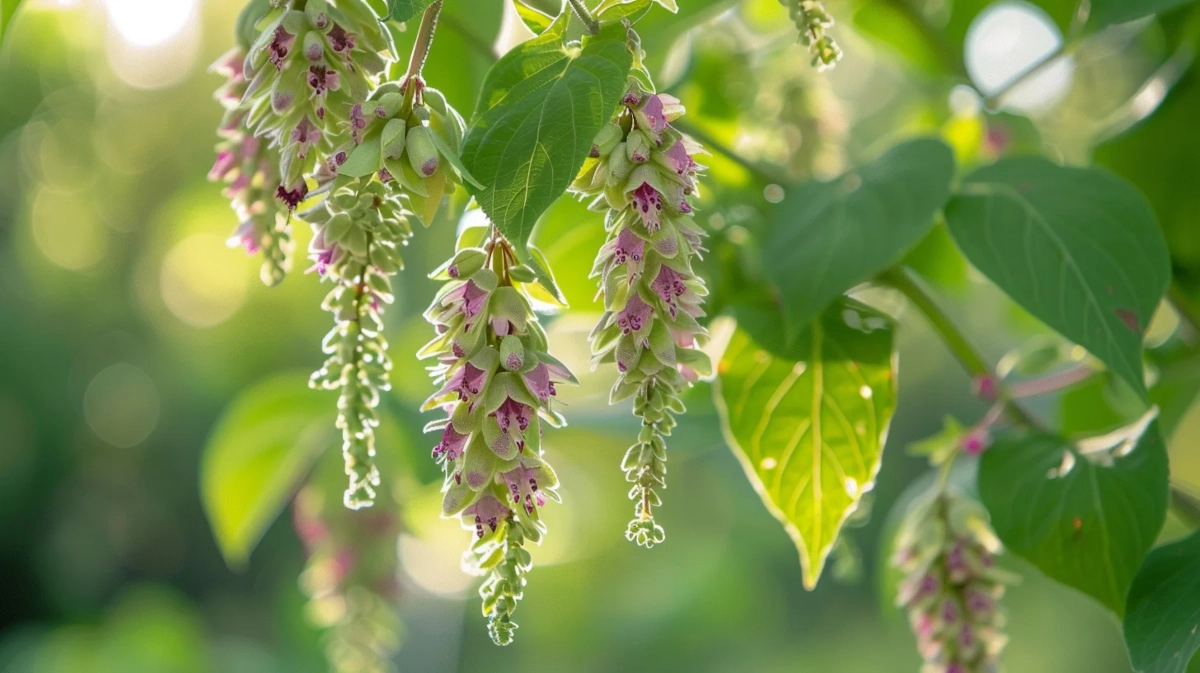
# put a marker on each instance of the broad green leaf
(1162, 622)
(827, 237)
(1108, 12)
(1076, 247)
(541, 106)
(1149, 155)
(263, 445)
(1085, 514)
(809, 428)
(406, 10)
(8, 8)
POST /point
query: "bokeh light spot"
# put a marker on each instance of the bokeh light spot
(196, 282)
(1004, 41)
(121, 405)
(66, 230)
(146, 23)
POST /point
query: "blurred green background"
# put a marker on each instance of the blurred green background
(127, 325)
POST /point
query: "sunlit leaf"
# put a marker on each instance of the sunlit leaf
(809, 428)
(1076, 247)
(8, 8)
(541, 107)
(1084, 514)
(1162, 622)
(829, 236)
(264, 443)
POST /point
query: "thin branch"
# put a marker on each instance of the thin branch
(589, 22)
(963, 351)
(1186, 504)
(420, 51)
(1183, 306)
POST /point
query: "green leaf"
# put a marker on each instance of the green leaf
(536, 21)
(8, 8)
(809, 428)
(827, 237)
(541, 106)
(1108, 12)
(1162, 624)
(406, 10)
(1076, 247)
(263, 445)
(1085, 514)
(1149, 156)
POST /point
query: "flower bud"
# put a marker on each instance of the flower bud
(422, 153)
(393, 137)
(512, 353)
(606, 140)
(317, 12)
(637, 147)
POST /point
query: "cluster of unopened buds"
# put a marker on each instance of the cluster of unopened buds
(812, 20)
(498, 382)
(642, 172)
(951, 587)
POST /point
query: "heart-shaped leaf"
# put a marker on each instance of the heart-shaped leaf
(1086, 513)
(827, 237)
(809, 427)
(1076, 247)
(541, 107)
(263, 445)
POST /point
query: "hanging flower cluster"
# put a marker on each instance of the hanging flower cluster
(250, 167)
(351, 579)
(951, 588)
(395, 171)
(642, 172)
(497, 387)
(812, 20)
(311, 63)
(355, 245)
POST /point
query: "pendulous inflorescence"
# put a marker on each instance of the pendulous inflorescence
(498, 383)
(813, 22)
(951, 587)
(642, 173)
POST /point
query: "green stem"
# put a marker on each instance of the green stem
(420, 50)
(963, 351)
(590, 24)
(1185, 504)
(1183, 306)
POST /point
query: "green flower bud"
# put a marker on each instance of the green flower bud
(606, 140)
(393, 138)
(317, 12)
(637, 147)
(422, 153)
(512, 353)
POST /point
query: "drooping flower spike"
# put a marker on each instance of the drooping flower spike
(313, 60)
(951, 588)
(249, 166)
(642, 172)
(497, 384)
